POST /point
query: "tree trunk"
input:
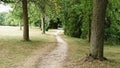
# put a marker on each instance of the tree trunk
(25, 17)
(20, 26)
(89, 28)
(43, 24)
(97, 32)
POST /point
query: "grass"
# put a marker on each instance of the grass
(14, 50)
(79, 48)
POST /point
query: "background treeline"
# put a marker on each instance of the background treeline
(75, 15)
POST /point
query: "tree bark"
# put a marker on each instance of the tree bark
(25, 17)
(89, 28)
(97, 32)
(20, 26)
(43, 24)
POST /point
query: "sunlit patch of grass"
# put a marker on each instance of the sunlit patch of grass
(13, 49)
(79, 48)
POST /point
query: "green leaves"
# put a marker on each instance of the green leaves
(2, 18)
(74, 15)
(113, 12)
(9, 1)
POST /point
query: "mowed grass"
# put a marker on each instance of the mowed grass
(14, 50)
(78, 50)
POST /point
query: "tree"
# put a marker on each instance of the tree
(43, 22)
(71, 15)
(97, 32)
(25, 17)
(45, 6)
(41, 4)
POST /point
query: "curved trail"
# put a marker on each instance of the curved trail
(53, 59)
(56, 57)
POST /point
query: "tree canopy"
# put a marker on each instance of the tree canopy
(75, 16)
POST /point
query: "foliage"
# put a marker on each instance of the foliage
(74, 15)
(112, 29)
(34, 14)
(2, 18)
(15, 17)
(72, 11)
(71, 15)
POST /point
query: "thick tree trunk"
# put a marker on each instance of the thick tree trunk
(97, 31)
(25, 16)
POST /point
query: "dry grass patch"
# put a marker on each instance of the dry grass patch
(79, 48)
(14, 50)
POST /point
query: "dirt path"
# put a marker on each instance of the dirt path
(53, 59)
(56, 57)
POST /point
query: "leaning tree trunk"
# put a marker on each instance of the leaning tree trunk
(97, 31)
(25, 17)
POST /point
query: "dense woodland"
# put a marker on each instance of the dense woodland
(98, 20)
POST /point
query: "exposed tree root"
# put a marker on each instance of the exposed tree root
(90, 58)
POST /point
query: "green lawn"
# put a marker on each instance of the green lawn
(79, 48)
(14, 50)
